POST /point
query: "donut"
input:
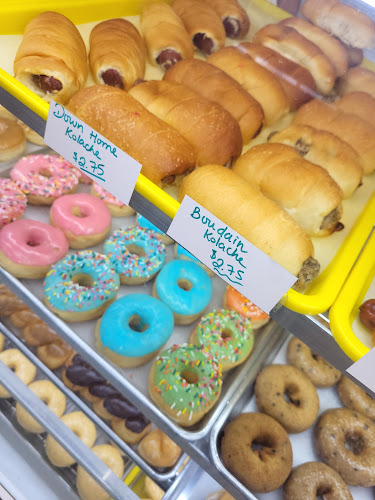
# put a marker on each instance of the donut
(355, 398)
(317, 369)
(314, 480)
(87, 487)
(28, 248)
(143, 222)
(158, 449)
(115, 206)
(20, 365)
(53, 355)
(84, 219)
(137, 254)
(13, 202)
(132, 429)
(4, 113)
(237, 302)
(31, 135)
(49, 394)
(226, 335)
(275, 382)
(43, 178)
(133, 329)
(181, 253)
(12, 140)
(256, 449)
(82, 427)
(185, 383)
(185, 288)
(81, 286)
(345, 440)
(152, 490)
(83, 178)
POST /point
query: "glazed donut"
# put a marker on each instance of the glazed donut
(81, 286)
(237, 302)
(28, 248)
(132, 429)
(275, 382)
(257, 451)
(115, 206)
(355, 398)
(22, 367)
(181, 253)
(12, 140)
(87, 487)
(13, 202)
(133, 329)
(137, 254)
(158, 449)
(185, 288)
(49, 394)
(54, 354)
(314, 480)
(31, 135)
(226, 336)
(82, 427)
(143, 222)
(185, 383)
(345, 440)
(317, 369)
(84, 219)
(43, 178)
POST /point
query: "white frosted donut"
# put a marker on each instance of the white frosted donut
(22, 367)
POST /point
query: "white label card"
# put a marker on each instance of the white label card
(92, 153)
(241, 264)
(363, 370)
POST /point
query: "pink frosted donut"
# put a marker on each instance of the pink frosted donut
(12, 202)
(116, 207)
(84, 219)
(83, 178)
(43, 178)
(28, 248)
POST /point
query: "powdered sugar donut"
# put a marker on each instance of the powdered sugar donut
(116, 207)
(13, 202)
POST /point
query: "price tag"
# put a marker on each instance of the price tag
(363, 370)
(92, 153)
(229, 255)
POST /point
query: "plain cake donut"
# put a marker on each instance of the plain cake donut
(355, 398)
(20, 365)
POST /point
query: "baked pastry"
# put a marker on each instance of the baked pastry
(20, 365)
(12, 140)
(358, 78)
(152, 490)
(355, 398)
(52, 59)
(235, 20)
(158, 449)
(360, 104)
(354, 55)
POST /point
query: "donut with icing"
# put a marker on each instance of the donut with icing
(132, 429)
(115, 206)
(20, 365)
(13, 202)
(237, 302)
(182, 253)
(83, 178)
(143, 222)
(12, 140)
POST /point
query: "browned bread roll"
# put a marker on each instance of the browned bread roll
(329, 45)
(297, 82)
(212, 83)
(325, 149)
(235, 19)
(350, 25)
(213, 132)
(161, 150)
(259, 82)
(255, 217)
(52, 59)
(117, 54)
(304, 190)
(348, 127)
(202, 23)
(361, 79)
(355, 56)
(165, 35)
(359, 104)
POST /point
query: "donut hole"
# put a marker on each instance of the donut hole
(136, 250)
(354, 442)
(77, 212)
(291, 395)
(190, 376)
(185, 284)
(83, 280)
(136, 324)
(263, 447)
(226, 333)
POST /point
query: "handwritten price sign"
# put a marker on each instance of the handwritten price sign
(92, 153)
(228, 254)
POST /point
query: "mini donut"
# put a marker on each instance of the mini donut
(54, 355)
(355, 398)
(28, 248)
(12, 140)
(226, 335)
(115, 206)
(137, 254)
(133, 329)
(143, 222)
(158, 449)
(43, 178)
(181, 253)
(185, 288)
(13, 202)
(256, 449)
(82, 427)
(317, 369)
(237, 302)
(84, 219)
(49, 394)
(314, 480)
(185, 383)
(345, 440)
(78, 373)
(20, 365)
(131, 430)
(31, 135)
(275, 382)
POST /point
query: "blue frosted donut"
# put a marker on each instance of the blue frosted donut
(80, 286)
(137, 254)
(182, 253)
(133, 328)
(185, 287)
(143, 222)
